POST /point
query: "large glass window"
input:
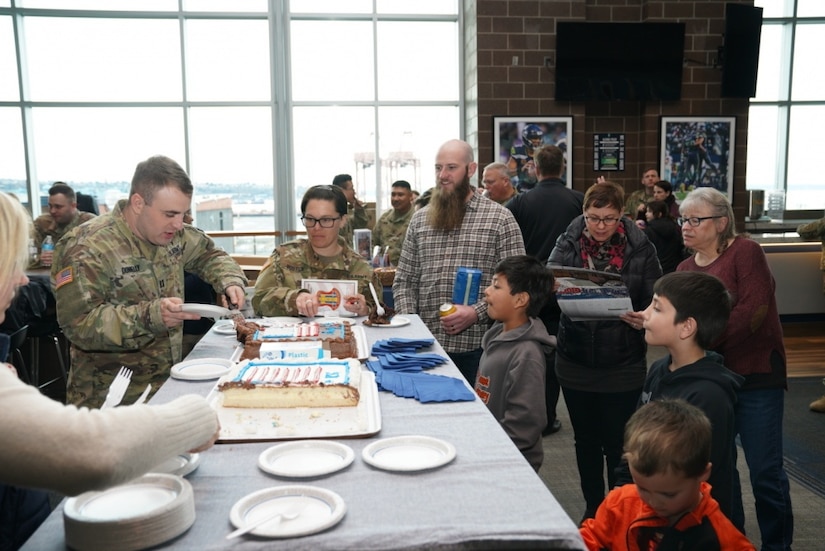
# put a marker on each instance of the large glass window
(257, 105)
(784, 122)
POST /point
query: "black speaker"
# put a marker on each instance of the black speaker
(743, 31)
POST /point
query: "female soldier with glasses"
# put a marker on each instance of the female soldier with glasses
(323, 255)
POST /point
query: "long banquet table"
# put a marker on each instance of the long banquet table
(488, 497)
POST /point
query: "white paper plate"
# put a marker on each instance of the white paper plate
(206, 310)
(408, 453)
(306, 458)
(201, 369)
(225, 327)
(320, 509)
(142, 513)
(180, 465)
(395, 321)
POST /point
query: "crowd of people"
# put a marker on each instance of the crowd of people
(653, 444)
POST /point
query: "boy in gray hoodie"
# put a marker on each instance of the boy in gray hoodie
(512, 369)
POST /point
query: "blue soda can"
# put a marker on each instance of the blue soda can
(467, 285)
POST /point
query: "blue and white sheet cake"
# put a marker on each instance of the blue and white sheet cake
(284, 384)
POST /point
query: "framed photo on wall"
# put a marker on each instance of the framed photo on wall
(697, 152)
(515, 140)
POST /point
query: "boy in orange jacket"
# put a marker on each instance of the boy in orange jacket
(669, 506)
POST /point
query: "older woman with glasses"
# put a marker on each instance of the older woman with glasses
(323, 255)
(601, 365)
(752, 346)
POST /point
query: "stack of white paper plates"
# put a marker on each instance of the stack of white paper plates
(143, 513)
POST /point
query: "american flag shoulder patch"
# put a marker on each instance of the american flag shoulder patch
(64, 276)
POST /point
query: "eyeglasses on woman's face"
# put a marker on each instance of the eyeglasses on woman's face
(607, 222)
(309, 221)
(695, 220)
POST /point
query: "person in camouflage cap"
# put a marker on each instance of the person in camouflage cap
(391, 228)
(324, 255)
(118, 281)
(62, 217)
(357, 218)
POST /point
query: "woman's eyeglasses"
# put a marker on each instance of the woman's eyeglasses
(309, 221)
(595, 220)
(695, 220)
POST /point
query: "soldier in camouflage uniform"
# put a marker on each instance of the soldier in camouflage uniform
(118, 282)
(62, 217)
(391, 228)
(641, 196)
(356, 213)
(324, 255)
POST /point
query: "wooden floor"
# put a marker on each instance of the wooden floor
(805, 348)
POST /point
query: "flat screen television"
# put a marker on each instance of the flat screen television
(619, 61)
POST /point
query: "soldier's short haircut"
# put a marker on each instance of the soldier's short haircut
(341, 179)
(326, 193)
(156, 173)
(63, 188)
(402, 183)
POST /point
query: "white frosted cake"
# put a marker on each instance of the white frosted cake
(281, 384)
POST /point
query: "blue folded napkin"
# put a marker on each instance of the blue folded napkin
(424, 387)
(398, 344)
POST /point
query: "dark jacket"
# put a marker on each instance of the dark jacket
(666, 236)
(608, 344)
(710, 386)
(542, 215)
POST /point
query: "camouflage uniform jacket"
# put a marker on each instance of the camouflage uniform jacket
(279, 282)
(632, 202)
(389, 232)
(108, 284)
(45, 225)
(356, 220)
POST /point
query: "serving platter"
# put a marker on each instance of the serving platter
(252, 425)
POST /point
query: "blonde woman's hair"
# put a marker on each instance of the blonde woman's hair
(15, 224)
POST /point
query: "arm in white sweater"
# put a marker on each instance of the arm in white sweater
(45, 444)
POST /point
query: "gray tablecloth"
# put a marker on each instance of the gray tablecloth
(488, 497)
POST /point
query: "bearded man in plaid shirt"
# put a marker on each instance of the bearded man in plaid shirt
(458, 228)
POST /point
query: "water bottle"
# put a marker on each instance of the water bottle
(33, 257)
(46, 252)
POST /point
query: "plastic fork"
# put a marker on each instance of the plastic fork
(378, 308)
(292, 514)
(145, 395)
(118, 388)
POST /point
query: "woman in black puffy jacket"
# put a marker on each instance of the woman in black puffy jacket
(601, 365)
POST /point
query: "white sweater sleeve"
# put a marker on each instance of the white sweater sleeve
(48, 445)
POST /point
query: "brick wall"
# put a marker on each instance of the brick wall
(512, 39)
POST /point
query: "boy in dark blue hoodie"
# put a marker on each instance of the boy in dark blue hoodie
(688, 313)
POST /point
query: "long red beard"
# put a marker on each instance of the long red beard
(446, 211)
